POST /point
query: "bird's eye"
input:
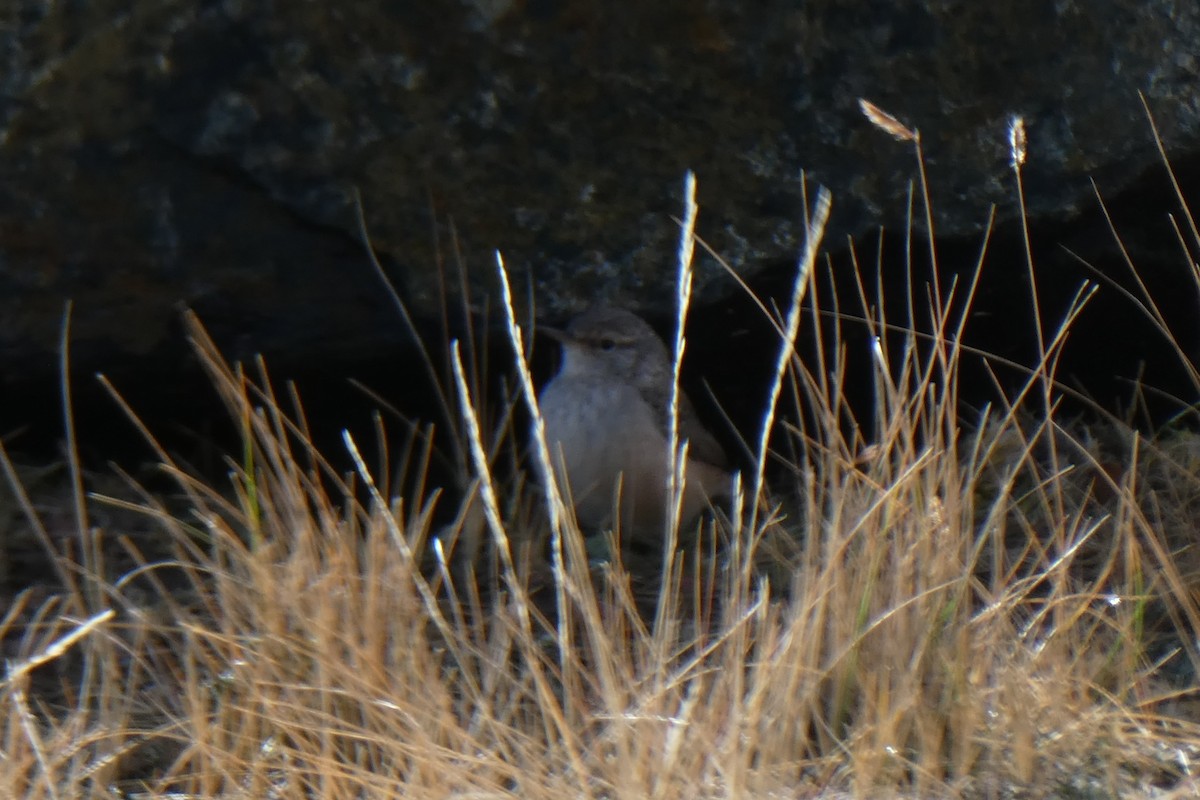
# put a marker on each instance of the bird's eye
(607, 344)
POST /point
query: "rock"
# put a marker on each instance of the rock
(168, 153)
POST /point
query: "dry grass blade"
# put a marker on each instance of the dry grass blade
(18, 670)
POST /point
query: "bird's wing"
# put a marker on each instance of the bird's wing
(702, 446)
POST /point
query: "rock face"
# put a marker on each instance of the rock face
(171, 152)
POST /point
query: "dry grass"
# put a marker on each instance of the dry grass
(958, 608)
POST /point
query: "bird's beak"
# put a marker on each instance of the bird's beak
(557, 334)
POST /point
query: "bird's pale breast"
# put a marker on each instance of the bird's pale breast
(605, 431)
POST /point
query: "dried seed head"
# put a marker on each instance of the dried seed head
(884, 120)
(1016, 141)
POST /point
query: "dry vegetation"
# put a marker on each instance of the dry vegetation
(979, 608)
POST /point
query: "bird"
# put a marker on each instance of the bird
(606, 417)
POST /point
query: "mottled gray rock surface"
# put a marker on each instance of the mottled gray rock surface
(167, 153)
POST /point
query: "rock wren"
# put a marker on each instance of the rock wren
(606, 424)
